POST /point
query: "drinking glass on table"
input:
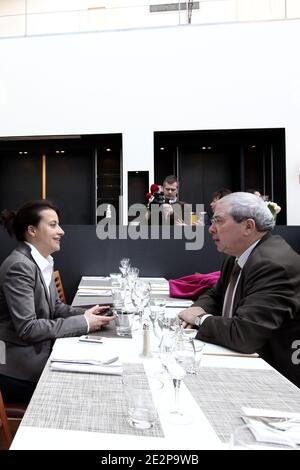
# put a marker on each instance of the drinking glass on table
(189, 353)
(175, 415)
(124, 266)
(132, 276)
(115, 279)
(123, 322)
(141, 400)
(140, 296)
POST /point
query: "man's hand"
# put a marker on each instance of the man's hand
(188, 316)
(96, 319)
(167, 210)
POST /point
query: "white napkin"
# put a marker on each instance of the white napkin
(272, 426)
(179, 303)
(93, 292)
(111, 369)
(215, 350)
(94, 287)
(94, 278)
(71, 355)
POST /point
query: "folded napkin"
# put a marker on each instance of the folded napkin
(272, 426)
(215, 350)
(93, 292)
(94, 287)
(94, 278)
(111, 369)
(192, 286)
(175, 303)
(73, 356)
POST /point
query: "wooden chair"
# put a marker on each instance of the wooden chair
(5, 432)
(60, 289)
(11, 415)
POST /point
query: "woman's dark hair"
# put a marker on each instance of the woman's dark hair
(16, 222)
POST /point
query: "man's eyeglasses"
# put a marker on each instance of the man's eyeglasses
(216, 221)
(220, 221)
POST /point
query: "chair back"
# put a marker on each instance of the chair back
(59, 287)
(5, 432)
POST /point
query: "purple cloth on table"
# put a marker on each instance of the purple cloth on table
(190, 287)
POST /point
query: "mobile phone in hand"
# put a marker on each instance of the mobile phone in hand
(108, 313)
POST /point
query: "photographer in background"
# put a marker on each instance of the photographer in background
(164, 206)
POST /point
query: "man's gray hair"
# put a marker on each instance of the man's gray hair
(244, 206)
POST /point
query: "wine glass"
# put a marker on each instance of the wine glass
(140, 296)
(170, 361)
(131, 277)
(124, 266)
(157, 312)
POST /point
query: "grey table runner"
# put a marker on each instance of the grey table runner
(222, 392)
(85, 402)
(89, 301)
(109, 332)
(96, 283)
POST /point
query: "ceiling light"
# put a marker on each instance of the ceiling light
(108, 150)
(162, 148)
(203, 148)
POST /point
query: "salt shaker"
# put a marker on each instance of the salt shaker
(146, 341)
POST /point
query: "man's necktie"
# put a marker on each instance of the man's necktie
(232, 283)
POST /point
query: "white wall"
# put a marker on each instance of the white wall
(230, 76)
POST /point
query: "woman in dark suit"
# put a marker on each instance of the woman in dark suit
(31, 314)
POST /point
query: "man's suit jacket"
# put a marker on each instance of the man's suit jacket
(30, 318)
(266, 309)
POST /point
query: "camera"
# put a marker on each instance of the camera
(159, 198)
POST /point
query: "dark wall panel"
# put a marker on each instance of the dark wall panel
(82, 253)
(70, 183)
(138, 187)
(20, 179)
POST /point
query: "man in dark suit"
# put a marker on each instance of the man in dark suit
(167, 209)
(31, 314)
(256, 309)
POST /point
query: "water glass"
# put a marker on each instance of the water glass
(118, 297)
(115, 279)
(141, 408)
(123, 323)
(189, 354)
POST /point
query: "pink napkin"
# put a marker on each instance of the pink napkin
(190, 287)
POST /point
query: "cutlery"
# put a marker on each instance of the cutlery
(94, 362)
(279, 423)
